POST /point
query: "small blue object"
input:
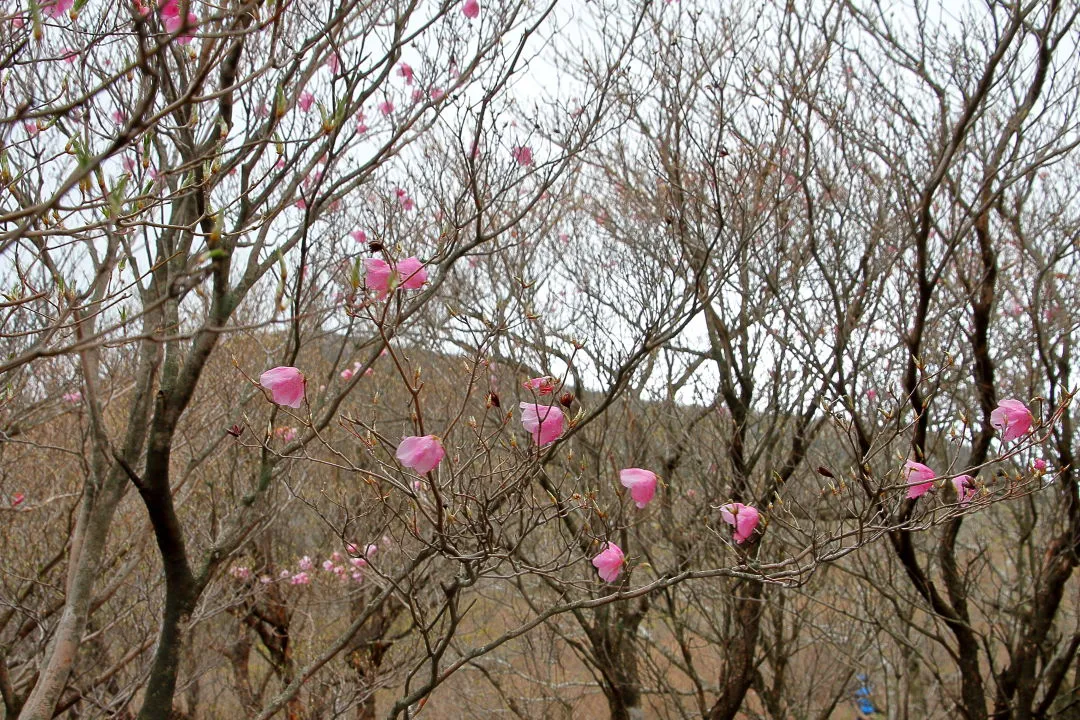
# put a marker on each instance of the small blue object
(865, 706)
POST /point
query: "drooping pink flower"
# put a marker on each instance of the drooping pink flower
(386, 107)
(59, 8)
(405, 70)
(609, 562)
(306, 101)
(965, 488)
(286, 385)
(919, 478)
(641, 483)
(359, 236)
(744, 518)
(333, 63)
(422, 454)
(412, 273)
(470, 9)
(522, 155)
(1012, 418)
(544, 385)
(377, 276)
(545, 423)
(170, 16)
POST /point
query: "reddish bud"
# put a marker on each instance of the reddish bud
(566, 399)
(492, 400)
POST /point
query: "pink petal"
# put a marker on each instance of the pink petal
(609, 562)
(641, 483)
(286, 385)
(422, 454)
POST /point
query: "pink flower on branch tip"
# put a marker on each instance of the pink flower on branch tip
(641, 483)
(919, 478)
(470, 9)
(544, 422)
(411, 273)
(422, 454)
(286, 386)
(386, 107)
(300, 578)
(1012, 418)
(359, 236)
(744, 518)
(59, 8)
(382, 277)
(74, 398)
(170, 16)
(609, 562)
(1039, 465)
(965, 488)
(405, 70)
(306, 101)
(522, 155)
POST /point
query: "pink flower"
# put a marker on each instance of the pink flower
(437, 94)
(240, 572)
(965, 488)
(300, 578)
(609, 562)
(58, 8)
(541, 385)
(386, 107)
(919, 478)
(377, 276)
(412, 273)
(405, 70)
(642, 484)
(306, 563)
(74, 398)
(170, 15)
(1012, 418)
(17, 499)
(359, 236)
(333, 63)
(545, 423)
(306, 101)
(744, 518)
(328, 565)
(422, 454)
(522, 155)
(346, 374)
(380, 276)
(1040, 465)
(287, 434)
(470, 9)
(286, 385)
